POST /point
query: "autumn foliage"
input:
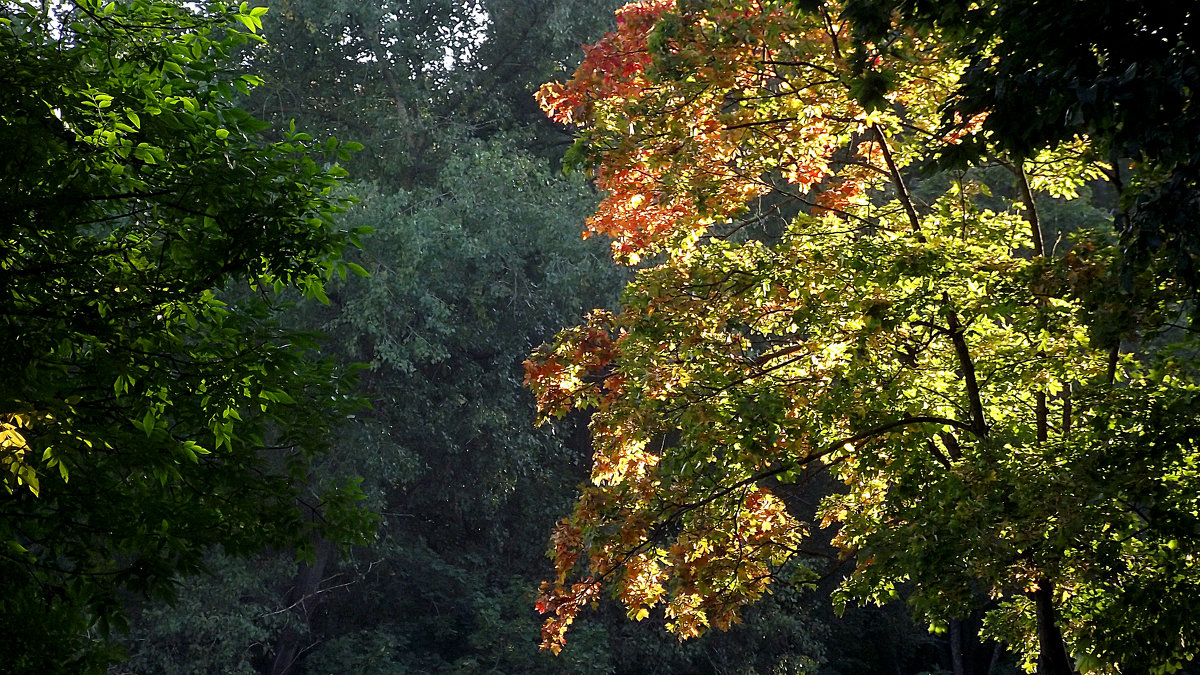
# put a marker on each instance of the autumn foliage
(800, 307)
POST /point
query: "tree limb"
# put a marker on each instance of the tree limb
(898, 180)
(958, 336)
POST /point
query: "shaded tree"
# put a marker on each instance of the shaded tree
(151, 406)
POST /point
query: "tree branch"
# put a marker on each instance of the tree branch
(1031, 212)
(958, 336)
(901, 189)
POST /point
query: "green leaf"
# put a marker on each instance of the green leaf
(149, 421)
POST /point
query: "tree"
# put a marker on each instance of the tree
(1013, 439)
(412, 80)
(466, 275)
(151, 405)
(1123, 74)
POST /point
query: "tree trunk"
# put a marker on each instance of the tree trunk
(991, 669)
(301, 601)
(956, 647)
(1052, 651)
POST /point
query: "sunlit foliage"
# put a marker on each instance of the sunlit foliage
(1009, 439)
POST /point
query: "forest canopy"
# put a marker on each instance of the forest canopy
(1015, 431)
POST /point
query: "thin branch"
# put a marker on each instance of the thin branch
(1031, 213)
(898, 180)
